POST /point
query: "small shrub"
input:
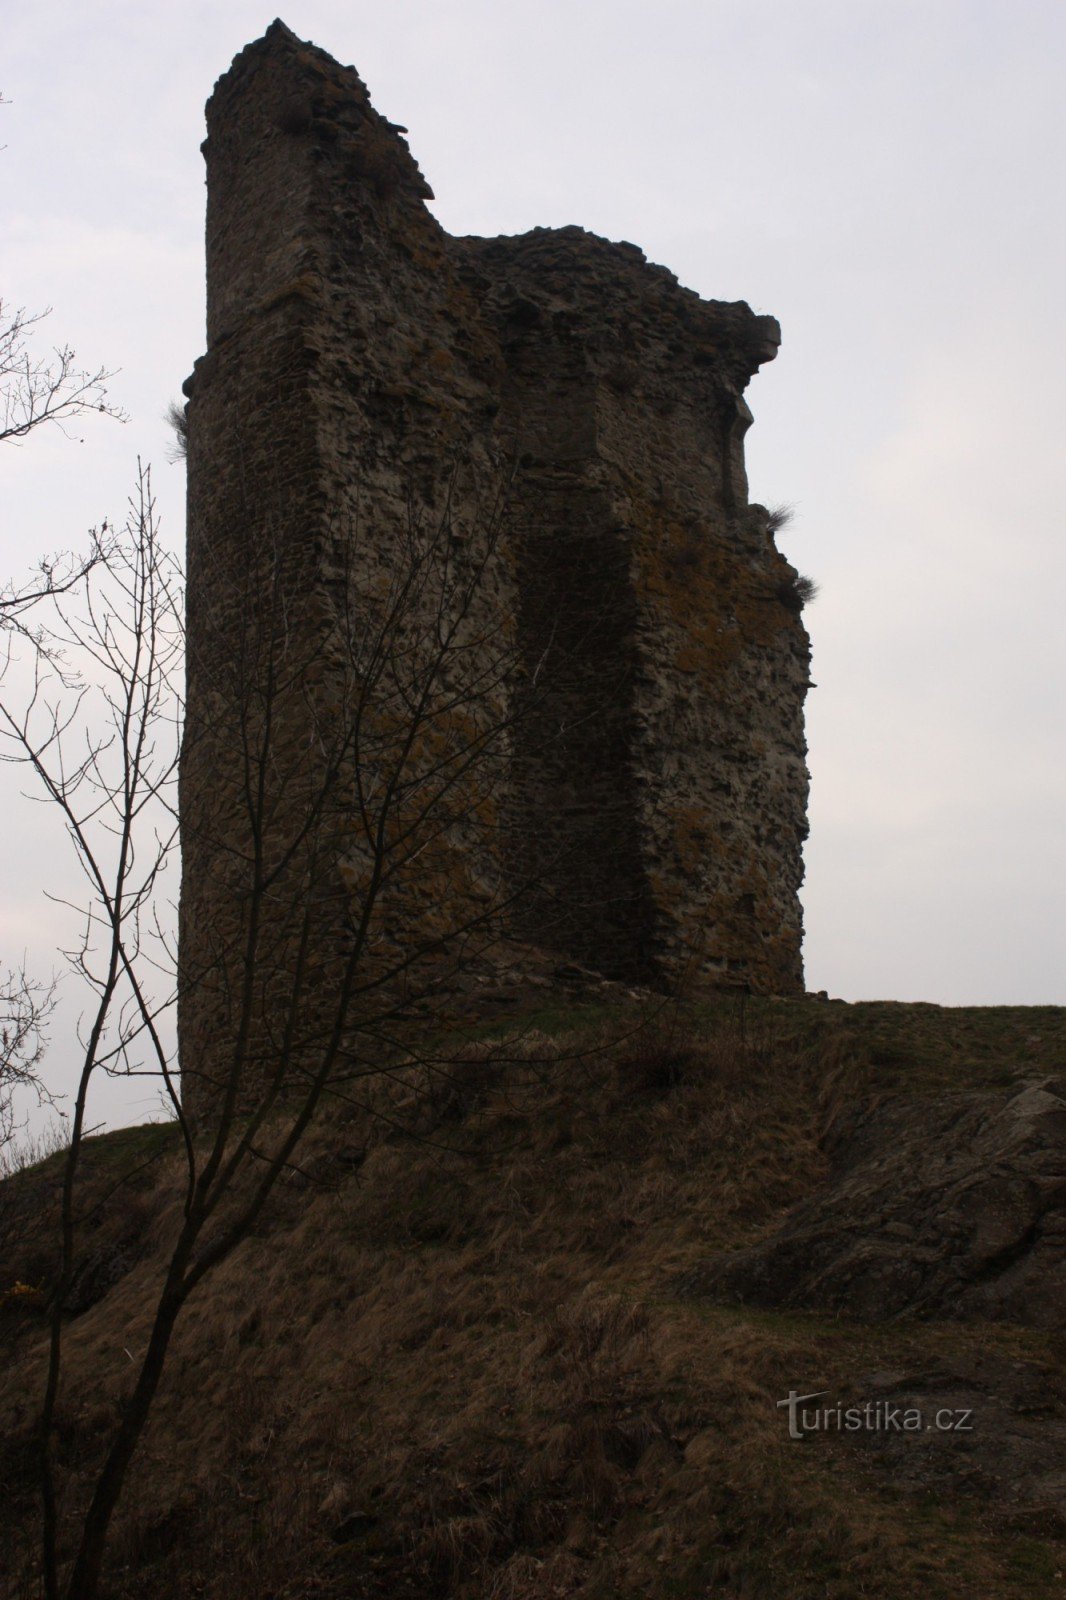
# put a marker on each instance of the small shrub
(176, 417)
(796, 591)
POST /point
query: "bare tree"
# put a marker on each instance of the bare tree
(25, 1009)
(353, 739)
(99, 731)
(36, 390)
(27, 617)
(23, 605)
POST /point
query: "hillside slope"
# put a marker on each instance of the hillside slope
(484, 1344)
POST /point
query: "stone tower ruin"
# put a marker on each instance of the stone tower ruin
(574, 420)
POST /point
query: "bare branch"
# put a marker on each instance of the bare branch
(36, 390)
(26, 1007)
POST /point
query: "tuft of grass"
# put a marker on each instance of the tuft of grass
(795, 591)
(35, 1148)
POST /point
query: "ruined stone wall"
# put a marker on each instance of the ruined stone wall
(674, 802)
(560, 424)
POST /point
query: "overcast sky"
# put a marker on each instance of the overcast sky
(884, 176)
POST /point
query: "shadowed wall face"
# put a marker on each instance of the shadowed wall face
(661, 779)
(566, 423)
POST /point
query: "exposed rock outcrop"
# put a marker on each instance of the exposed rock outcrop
(947, 1206)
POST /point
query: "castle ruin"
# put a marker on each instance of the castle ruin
(569, 421)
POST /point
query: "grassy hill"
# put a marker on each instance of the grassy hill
(459, 1358)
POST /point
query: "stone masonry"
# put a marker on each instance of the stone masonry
(569, 422)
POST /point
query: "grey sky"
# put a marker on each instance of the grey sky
(883, 176)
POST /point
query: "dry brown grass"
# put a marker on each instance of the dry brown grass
(450, 1362)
